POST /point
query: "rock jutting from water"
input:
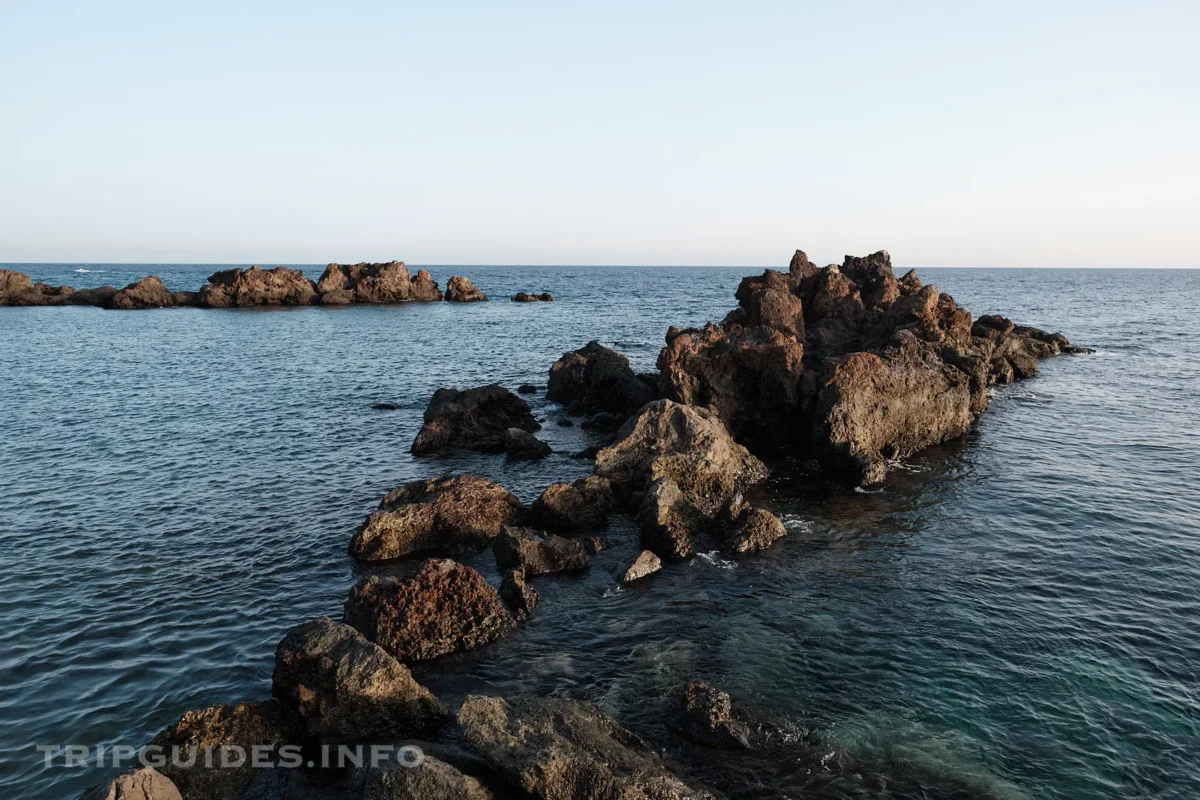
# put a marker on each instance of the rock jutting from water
(473, 419)
(594, 379)
(461, 290)
(528, 297)
(341, 284)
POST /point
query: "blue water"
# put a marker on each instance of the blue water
(1014, 615)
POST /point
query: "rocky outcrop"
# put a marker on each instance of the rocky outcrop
(430, 780)
(140, 784)
(448, 515)
(257, 287)
(706, 715)
(560, 749)
(13, 285)
(670, 523)
(146, 293)
(461, 290)
(445, 608)
(595, 378)
(574, 506)
(518, 593)
(748, 528)
(102, 297)
(17, 289)
(644, 565)
(244, 725)
(523, 445)
(347, 689)
(526, 297)
(474, 419)
(375, 283)
(538, 555)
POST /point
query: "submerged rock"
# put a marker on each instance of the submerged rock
(522, 445)
(375, 283)
(140, 784)
(574, 506)
(644, 565)
(146, 293)
(597, 379)
(706, 715)
(258, 287)
(244, 725)
(461, 290)
(445, 608)
(475, 419)
(447, 515)
(560, 749)
(523, 548)
(347, 689)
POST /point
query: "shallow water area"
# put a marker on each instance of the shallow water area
(1011, 615)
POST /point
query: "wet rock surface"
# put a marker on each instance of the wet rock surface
(523, 445)
(433, 779)
(447, 515)
(595, 378)
(445, 608)
(706, 715)
(518, 593)
(538, 555)
(347, 689)
(560, 749)
(474, 419)
(646, 564)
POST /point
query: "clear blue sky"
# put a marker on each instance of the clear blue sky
(951, 133)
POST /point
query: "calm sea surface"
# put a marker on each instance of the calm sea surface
(1016, 615)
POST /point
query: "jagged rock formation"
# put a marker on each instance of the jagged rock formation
(146, 293)
(445, 608)
(706, 715)
(645, 564)
(448, 515)
(375, 283)
(523, 445)
(849, 362)
(524, 549)
(595, 378)
(461, 290)
(475, 419)
(257, 287)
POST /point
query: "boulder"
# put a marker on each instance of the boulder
(146, 293)
(244, 725)
(475, 419)
(767, 300)
(645, 564)
(424, 288)
(598, 379)
(445, 608)
(257, 287)
(518, 593)
(140, 784)
(574, 506)
(102, 297)
(522, 445)
(13, 285)
(372, 283)
(526, 388)
(461, 290)
(669, 522)
(430, 780)
(800, 268)
(347, 689)
(526, 297)
(447, 515)
(561, 749)
(747, 528)
(538, 555)
(689, 446)
(706, 715)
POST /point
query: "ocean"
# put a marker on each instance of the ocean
(1012, 615)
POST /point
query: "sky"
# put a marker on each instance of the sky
(949, 133)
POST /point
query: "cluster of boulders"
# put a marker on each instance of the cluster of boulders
(533, 297)
(340, 284)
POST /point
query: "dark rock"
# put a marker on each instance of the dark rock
(258, 287)
(647, 563)
(706, 715)
(190, 299)
(102, 296)
(385, 406)
(347, 689)
(445, 608)
(565, 423)
(244, 725)
(475, 419)
(597, 379)
(431, 780)
(447, 515)
(560, 749)
(604, 421)
(669, 522)
(373, 283)
(146, 293)
(522, 445)
(587, 453)
(517, 593)
(800, 267)
(461, 290)
(525, 297)
(523, 548)
(141, 784)
(748, 528)
(16, 289)
(13, 285)
(526, 388)
(575, 506)
(593, 544)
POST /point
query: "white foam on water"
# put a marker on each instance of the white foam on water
(91, 270)
(713, 558)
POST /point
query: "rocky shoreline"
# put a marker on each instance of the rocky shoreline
(845, 368)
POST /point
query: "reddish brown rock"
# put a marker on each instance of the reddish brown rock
(447, 515)
(748, 528)
(373, 283)
(424, 288)
(474, 419)
(432, 779)
(12, 285)
(140, 784)
(461, 290)
(445, 608)
(146, 293)
(258, 287)
(574, 506)
(524, 446)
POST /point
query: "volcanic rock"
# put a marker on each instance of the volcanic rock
(461, 290)
(706, 715)
(523, 548)
(372, 283)
(574, 506)
(258, 287)
(645, 564)
(347, 689)
(445, 608)
(561, 749)
(598, 379)
(520, 444)
(517, 593)
(525, 297)
(12, 285)
(670, 523)
(475, 419)
(145, 783)
(447, 515)
(146, 293)
(748, 528)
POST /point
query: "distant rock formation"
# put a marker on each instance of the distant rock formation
(280, 286)
(341, 284)
(526, 297)
(461, 290)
